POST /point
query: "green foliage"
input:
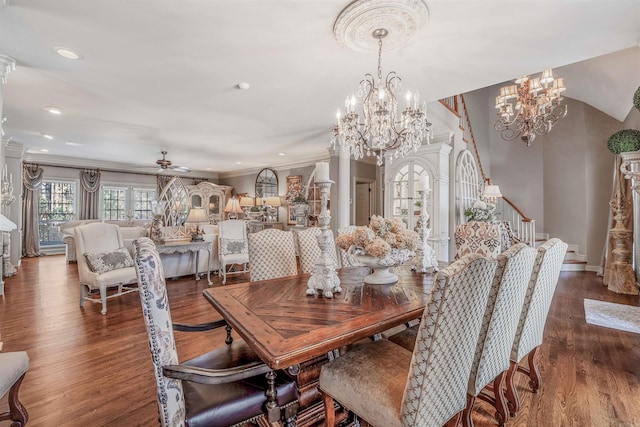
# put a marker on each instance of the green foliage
(254, 209)
(624, 140)
(636, 99)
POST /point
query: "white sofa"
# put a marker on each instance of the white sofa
(174, 265)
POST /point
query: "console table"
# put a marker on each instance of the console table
(182, 246)
(255, 226)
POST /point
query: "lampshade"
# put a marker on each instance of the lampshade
(233, 206)
(246, 201)
(273, 201)
(259, 201)
(491, 192)
(197, 215)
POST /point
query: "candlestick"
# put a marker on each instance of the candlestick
(324, 277)
(322, 172)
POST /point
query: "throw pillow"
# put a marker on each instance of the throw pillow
(108, 261)
(233, 246)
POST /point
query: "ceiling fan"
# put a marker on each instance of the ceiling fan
(164, 164)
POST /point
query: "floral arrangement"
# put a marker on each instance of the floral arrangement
(380, 237)
(480, 211)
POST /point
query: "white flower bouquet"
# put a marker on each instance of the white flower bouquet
(480, 211)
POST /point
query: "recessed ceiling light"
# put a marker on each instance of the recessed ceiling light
(244, 85)
(238, 163)
(208, 169)
(282, 154)
(73, 144)
(53, 110)
(66, 52)
(46, 135)
(44, 150)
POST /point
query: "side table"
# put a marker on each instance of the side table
(182, 246)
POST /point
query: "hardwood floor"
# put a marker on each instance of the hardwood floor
(93, 370)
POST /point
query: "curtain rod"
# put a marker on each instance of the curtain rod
(113, 170)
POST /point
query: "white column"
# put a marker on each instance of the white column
(7, 64)
(344, 186)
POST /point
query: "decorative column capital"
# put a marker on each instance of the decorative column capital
(7, 65)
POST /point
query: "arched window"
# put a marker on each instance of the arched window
(405, 199)
(468, 183)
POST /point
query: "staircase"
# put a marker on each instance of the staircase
(573, 260)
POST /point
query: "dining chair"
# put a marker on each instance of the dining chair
(226, 386)
(386, 385)
(103, 262)
(528, 337)
(309, 250)
(13, 368)
(346, 259)
(272, 254)
(498, 330)
(232, 246)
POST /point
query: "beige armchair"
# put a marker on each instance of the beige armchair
(103, 262)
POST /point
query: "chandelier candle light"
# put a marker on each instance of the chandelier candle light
(378, 129)
(324, 277)
(530, 107)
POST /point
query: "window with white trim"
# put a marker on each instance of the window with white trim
(126, 202)
(57, 205)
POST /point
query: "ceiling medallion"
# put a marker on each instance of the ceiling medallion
(401, 18)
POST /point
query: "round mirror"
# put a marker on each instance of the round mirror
(267, 183)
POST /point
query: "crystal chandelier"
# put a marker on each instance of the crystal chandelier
(530, 107)
(377, 129)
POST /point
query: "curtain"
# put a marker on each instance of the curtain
(31, 185)
(90, 183)
(616, 266)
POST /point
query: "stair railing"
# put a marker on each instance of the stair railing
(523, 226)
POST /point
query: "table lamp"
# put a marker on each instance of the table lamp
(197, 216)
(246, 203)
(233, 208)
(272, 204)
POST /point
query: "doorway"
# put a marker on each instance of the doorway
(364, 200)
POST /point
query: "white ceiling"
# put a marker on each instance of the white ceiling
(161, 74)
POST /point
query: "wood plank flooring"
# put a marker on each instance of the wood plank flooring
(93, 370)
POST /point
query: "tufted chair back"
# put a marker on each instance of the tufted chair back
(157, 318)
(445, 344)
(310, 251)
(272, 254)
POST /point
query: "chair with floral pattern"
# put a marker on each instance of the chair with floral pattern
(226, 386)
(387, 385)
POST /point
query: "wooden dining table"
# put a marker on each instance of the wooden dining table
(289, 329)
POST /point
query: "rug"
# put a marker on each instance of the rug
(612, 315)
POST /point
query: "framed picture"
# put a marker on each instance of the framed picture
(291, 215)
(294, 186)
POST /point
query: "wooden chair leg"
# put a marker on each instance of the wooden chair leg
(512, 395)
(329, 410)
(534, 373)
(502, 410)
(17, 412)
(466, 413)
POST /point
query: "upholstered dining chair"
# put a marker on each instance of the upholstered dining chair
(272, 254)
(498, 330)
(226, 386)
(233, 247)
(13, 368)
(103, 262)
(309, 250)
(386, 385)
(537, 301)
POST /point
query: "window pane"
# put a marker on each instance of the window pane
(114, 200)
(57, 206)
(142, 198)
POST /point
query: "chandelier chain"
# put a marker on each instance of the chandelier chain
(379, 58)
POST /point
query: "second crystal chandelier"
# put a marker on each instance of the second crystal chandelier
(376, 128)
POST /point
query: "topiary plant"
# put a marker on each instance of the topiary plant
(636, 99)
(624, 140)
